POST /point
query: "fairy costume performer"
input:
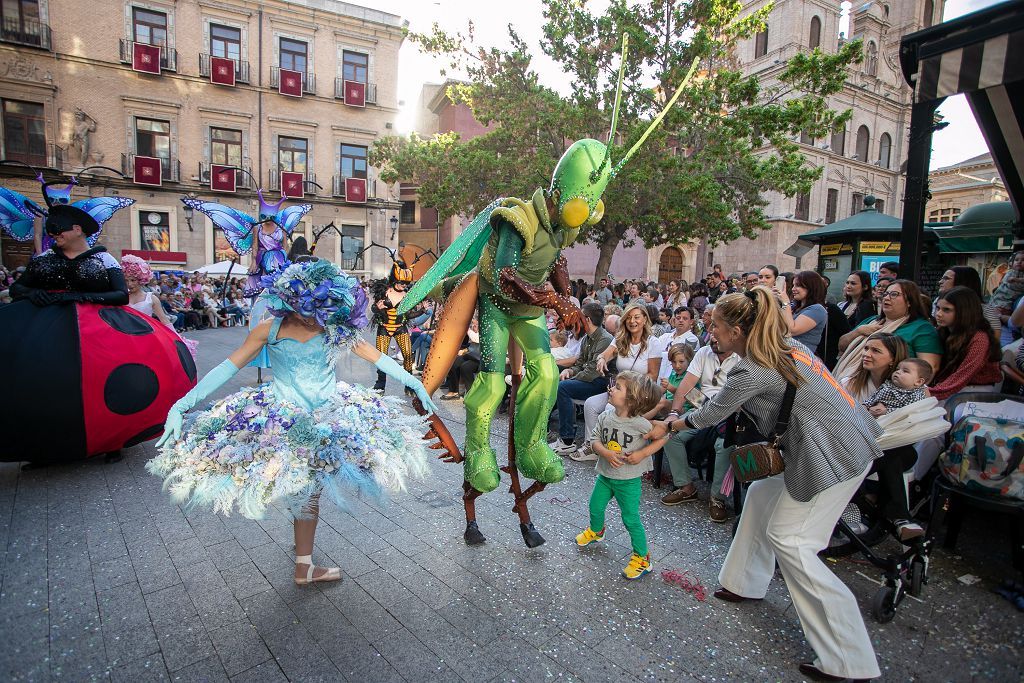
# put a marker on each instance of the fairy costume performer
(304, 433)
(500, 265)
(267, 233)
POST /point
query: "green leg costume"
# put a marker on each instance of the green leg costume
(536, 398)
(626, 493)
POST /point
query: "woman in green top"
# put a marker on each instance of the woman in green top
(903, 314)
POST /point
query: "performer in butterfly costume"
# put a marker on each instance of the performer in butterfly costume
(275, 227)
(500, 266)
(107, 375)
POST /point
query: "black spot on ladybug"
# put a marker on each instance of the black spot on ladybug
(187, 363)
(145, 435)
(130, 388)
(123, 321)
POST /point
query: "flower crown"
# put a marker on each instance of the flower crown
(135, 267)
(317, 289)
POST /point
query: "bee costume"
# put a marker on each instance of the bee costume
(390, 323)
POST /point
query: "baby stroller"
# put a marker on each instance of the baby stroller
(864, 524)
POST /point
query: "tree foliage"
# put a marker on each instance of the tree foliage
(702, 175)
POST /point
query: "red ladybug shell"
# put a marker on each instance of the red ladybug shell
(133, 370)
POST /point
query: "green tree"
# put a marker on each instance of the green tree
(702, 175)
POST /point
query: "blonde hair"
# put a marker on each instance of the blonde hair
(680, 350)
(641, 395)
(622, 334)
(560, 336)
(756, 313)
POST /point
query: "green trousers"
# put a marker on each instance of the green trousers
(535, 399)
(626, 493)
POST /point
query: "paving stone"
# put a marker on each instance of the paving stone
(383, 587)
(245, 580)
(227, 555)
(208, 670)
(267, 611)
(183, 643)
(412, 659)
(170, 604)
(142, 670)
(111, 573)
(267, 672)
(218, 608)
(239, 647)
(299, 656)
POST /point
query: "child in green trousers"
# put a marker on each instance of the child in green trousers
(624, 455)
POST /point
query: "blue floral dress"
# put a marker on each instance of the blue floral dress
(301, 434)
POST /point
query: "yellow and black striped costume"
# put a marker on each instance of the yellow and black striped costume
(391, 324)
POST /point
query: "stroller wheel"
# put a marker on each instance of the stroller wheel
(916, 577)
(883, 605)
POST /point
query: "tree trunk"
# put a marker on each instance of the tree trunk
(604, 261)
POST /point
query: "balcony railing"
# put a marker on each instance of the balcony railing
(338, 187)
(170, 168)
(339, 91)
(242, 180)
(26, 32)
(168, 55)
(308, 80)
(275, 182)
(241, 68)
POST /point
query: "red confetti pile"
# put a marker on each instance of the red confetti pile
(687, 581)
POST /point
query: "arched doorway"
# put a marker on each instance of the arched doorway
(670, 265)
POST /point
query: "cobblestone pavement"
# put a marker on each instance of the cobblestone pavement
(104, 579)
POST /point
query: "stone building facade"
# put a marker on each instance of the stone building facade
(958, 187)
(868, 157)
(313, 85)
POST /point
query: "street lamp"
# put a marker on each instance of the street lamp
(190, 212)
(394, 227)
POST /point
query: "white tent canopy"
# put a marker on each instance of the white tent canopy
(221, 268)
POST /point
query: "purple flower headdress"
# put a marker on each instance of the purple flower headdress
(318, 289)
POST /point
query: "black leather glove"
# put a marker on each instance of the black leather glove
(71, 297)
(41, 297)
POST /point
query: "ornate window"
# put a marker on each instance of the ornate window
(761, 43)
(884, 150)
(863, 143)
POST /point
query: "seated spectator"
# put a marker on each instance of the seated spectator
(890, 270)
(1007, 295)
(466, 364)
(582, 380)
(682, 331)
(564, 357)
(679, 357)
(658, 328)
(611, 324)
(612, 309)
(858, 298)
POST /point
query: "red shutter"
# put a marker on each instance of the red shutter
(146, 58)
(290, 83)
(355, 94)
(222, 178)
(148, 171)
(293, 184)
(355, 190)
(222, 71)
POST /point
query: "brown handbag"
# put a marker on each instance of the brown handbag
(761, 459)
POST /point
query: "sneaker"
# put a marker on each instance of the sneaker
(588, 536)
(717, 511)
(680, 496)
(637, 567)
(907, 530)
(584, 454)
(562, 448)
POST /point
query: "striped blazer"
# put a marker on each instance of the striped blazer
(831, 437)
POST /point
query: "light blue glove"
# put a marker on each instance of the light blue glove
(213, 380)
(389, 367)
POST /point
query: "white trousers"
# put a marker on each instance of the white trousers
(592, 407)
(773, 527)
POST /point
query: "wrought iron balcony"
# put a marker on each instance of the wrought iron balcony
(242, 180)
(26, 32)
(170, 168)
(308, 80)
(241, 68)
(168, 55)
(275, 182)
(338, 187)
(339, 91)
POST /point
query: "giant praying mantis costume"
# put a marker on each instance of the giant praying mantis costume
(499, 266)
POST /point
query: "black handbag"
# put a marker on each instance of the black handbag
(756, 457)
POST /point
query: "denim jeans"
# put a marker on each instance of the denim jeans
(573, 389)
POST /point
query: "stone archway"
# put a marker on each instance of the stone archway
(670, 264)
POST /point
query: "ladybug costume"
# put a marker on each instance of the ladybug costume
(95, 375)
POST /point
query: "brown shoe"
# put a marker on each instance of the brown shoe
(717, 511)
(729, 596)
(683, 494)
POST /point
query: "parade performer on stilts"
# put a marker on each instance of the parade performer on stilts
(95, 376)
(500, 265)
(304, 434)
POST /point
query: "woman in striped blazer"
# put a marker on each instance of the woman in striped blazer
(828, 450)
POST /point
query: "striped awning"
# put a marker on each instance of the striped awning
(981, 56)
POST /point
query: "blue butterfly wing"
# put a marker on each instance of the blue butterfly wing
(17, 214)
(290, 217)
(237, 226)
(101, 209)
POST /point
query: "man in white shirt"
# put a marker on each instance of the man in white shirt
(705, 377)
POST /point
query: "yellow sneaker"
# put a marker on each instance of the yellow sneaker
(588, 537)
(637, 567)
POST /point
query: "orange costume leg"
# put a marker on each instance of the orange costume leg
(405, 346)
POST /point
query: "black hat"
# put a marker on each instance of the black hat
(62, 217)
